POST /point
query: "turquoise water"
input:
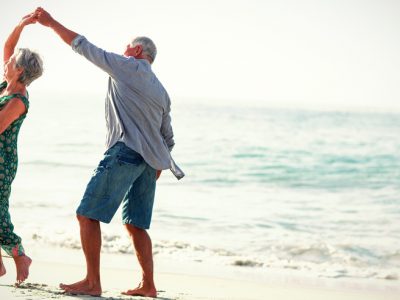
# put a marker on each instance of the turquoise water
(265, 187)
(296, 149)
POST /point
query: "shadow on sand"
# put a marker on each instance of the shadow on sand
(43, 291)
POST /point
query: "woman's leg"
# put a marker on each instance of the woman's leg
(2, 267)
(9, 241)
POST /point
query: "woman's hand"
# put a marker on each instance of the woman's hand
(32, 18)
(13, 38)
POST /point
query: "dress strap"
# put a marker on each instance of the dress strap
(3, 85)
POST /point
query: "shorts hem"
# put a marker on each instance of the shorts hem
(91, 216)
(141, 226)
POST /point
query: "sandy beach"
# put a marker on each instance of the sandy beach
(177, 281)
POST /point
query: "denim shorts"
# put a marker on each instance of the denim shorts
(122, 176)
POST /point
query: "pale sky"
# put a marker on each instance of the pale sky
(305, 53)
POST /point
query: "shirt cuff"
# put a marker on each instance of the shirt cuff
(77, 41)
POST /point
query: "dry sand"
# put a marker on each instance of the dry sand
(59, 265)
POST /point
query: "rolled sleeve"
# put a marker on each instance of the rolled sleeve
(114, 64)
(76, 42)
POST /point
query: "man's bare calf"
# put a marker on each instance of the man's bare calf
(91, 244)
(143, 247)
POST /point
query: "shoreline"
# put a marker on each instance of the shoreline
(183, 280)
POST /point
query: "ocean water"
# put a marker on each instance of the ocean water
(307, 190)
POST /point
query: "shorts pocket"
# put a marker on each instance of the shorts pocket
(124, 159)
(106, 163)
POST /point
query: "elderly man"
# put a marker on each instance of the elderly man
(139, 141)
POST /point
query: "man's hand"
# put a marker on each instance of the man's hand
(158, 173)
(47, 20)
(44, 17)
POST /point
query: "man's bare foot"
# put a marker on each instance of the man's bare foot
(2, 269)
(83, 287)
(143, 291)
(22, 264)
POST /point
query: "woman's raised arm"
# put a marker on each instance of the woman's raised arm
(13, 38)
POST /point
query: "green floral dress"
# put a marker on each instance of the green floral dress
(9, 241)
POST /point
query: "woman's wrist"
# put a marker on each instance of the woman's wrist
(19, 27)
(22, 24)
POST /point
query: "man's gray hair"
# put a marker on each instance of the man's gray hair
(31, 63)
(149, 48)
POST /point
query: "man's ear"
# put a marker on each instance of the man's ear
(138, 50)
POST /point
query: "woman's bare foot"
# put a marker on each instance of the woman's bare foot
(142, 290)
(2, 269)
(22, 264)
(83, 287)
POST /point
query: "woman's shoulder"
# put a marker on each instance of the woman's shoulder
(23, 96)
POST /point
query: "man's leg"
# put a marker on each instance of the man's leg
(91, 245)
(136, 214)
(143, 247)
(103, 195)
(100, 201)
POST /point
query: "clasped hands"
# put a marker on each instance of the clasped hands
(39, 15)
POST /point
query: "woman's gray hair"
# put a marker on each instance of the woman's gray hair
(149, 48)
(31, 63)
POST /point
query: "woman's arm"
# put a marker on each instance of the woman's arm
(12, 40)
(11, 111)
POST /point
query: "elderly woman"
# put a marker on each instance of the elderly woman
(20, 69)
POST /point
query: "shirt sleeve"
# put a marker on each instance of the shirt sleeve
(111, 63)
(166, 128)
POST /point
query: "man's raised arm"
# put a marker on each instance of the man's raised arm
(46, 19)
(112, 63)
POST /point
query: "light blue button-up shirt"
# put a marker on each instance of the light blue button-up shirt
(137, 105)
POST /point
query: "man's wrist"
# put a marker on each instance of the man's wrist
(53, 24)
